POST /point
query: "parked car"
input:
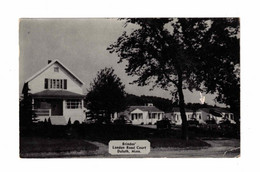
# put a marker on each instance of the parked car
(164, 124)
(211, 124)
(122, 120)
(193, 122)
(225, 124)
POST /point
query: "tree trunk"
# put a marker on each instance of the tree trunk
(107, 117)
(182, 111)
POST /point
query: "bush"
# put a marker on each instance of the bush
(76, 122)
(49, 121)
(69, 122)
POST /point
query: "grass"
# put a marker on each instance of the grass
(46, 138)
(40, 145)
(176, 143)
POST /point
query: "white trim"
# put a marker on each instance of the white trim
(49, 65)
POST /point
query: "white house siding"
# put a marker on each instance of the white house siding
(157, 117)
(230, 117)
(74, 114)
(199, 117)
(142, 120)
(37, 84)
(206, 116)
(114, 116)
(177, 117)
(145, 119)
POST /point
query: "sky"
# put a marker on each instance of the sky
(80, 44)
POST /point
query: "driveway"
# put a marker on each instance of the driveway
(220, 148)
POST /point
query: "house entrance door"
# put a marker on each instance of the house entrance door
(56, 108)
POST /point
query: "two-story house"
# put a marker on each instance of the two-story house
(57, 94)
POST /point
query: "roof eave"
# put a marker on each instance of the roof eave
(46, 67)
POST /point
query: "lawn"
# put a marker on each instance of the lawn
(157, 138)
(60, 139)
(45, 145)
(177, 143)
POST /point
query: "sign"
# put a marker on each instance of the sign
(129, 147)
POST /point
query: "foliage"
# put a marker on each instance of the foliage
(161, 103)
(177, 54)
(69, 122)
(26, 114)
(106, 94)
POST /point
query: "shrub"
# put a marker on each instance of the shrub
(69, 122)
(76, 122)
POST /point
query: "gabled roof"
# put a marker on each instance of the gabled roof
(216, 109)
(49, 65)
(57, 94)
(177, 109)
(146, 108)
(142, 108)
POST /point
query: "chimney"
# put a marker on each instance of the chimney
(49, 61)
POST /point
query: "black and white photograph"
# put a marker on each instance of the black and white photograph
(129, 87)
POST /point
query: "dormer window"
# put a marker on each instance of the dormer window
(56, 69)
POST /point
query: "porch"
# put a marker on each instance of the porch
(58, 106)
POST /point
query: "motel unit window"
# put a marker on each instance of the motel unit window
(55, 83)
(153, 115)
(226, 116)
(137, 116)
(74, 104)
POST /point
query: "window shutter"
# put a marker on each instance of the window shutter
(46, 84)
(65, 83)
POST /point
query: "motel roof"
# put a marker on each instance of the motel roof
(216, 109)
(146, 108)
(177, 109)
(142, 108)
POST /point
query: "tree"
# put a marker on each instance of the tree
(223, 76)
(26, 114)
(229, 93)
(177, 54)
(106, 94)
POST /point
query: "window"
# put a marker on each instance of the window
(137, 116)
(55, 84)
(56, 69)
(231, 116)
(74, 104)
